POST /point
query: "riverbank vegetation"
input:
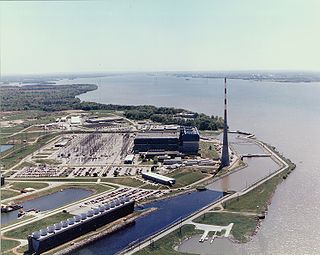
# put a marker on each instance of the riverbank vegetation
(52, 98)
(243, 225)
(165, 245)
(187, 176)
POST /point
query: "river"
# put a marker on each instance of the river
(286, 115)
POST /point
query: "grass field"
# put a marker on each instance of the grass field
(23, 231)
(8, 245)
(207, 150)
(186, 176)
(165, 245)
(128, 181)
(23, 185)
(25, 150)
(243, 227)
(8, 193)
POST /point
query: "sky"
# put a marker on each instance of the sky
(38, 37)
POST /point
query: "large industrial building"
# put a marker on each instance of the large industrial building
(65, 231)
(159, 178)
(184, 140)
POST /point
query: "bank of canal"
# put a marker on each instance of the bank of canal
(48, 202)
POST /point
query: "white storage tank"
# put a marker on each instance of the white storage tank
(36, 235)
(127, 199)
(101, 208)
(107, 206)
(70, 221)
(96, 211)
(77, 218)
(83, 216)
(57, 226)
(43, 232)
(90, 213)
(112, 204)
(50, 229)
(122, 200)
(117, 201)
(64, 223)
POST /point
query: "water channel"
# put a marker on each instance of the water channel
(169, 211)
(48, 202)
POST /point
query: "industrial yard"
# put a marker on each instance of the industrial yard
(142, 163)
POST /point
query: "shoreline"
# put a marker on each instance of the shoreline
(286, 167)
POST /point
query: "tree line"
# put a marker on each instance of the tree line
(52, 98)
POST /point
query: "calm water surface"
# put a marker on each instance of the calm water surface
(169, 211)
(5, 147)
(286, 115)
(49, 202)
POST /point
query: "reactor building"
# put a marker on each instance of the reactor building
(185, 140)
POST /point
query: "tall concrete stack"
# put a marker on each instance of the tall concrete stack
(225, 149)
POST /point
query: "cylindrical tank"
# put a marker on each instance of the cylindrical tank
(101, 208)
(43, 231)
(122, 200)
(64, 223)
(50, 229)
(112, 204)
(70, 221)
(117, 201)
(77, 218)
(57, 226)
(36, 235)
(83, 216)
(107, 206)
(96, 211)
(90, 213)
(127, 199)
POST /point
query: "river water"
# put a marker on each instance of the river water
(286, 115)
(48, 202)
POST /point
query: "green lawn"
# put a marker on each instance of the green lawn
(128, 181)
(207, 150)
(23, 231)
(8, 245)
(243, 227)
(8, 193)
(24, 150)
(23, 185)
(186, 176)
(165, 245)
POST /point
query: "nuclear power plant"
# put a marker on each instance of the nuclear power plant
(225, 148)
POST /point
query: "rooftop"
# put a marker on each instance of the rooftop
(158, 135)
(160, 177)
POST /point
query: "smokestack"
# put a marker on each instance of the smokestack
(225, 148)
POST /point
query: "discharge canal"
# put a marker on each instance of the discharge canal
(169, 211)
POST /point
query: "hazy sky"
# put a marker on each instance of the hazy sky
(150, 35)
